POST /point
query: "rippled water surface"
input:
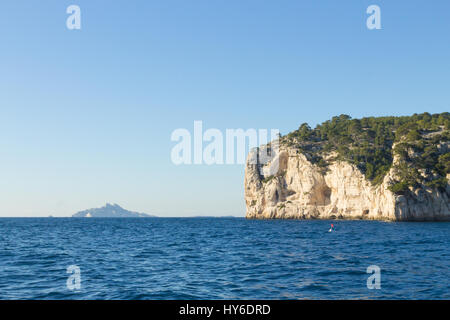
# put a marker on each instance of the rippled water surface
(222, 258)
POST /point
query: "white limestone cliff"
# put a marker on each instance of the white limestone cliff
(291, 187)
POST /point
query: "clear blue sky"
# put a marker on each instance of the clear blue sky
(86, 115)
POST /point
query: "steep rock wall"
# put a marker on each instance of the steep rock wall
(291, 187)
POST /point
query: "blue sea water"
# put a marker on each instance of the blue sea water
(222, 258)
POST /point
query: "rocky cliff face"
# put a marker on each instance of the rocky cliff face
(290, 186)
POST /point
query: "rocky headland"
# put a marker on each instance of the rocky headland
(387, 168)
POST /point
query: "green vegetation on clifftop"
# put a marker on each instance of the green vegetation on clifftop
(420, 143)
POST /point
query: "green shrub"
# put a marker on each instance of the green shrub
(440, 183)
(367, 143)
(400, 188)
(268, 178)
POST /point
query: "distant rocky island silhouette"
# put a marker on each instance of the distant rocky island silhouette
(110, 211)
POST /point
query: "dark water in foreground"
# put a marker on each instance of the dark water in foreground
(222, 258)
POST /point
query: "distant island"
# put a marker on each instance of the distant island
(385, 168)
(110, 211)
